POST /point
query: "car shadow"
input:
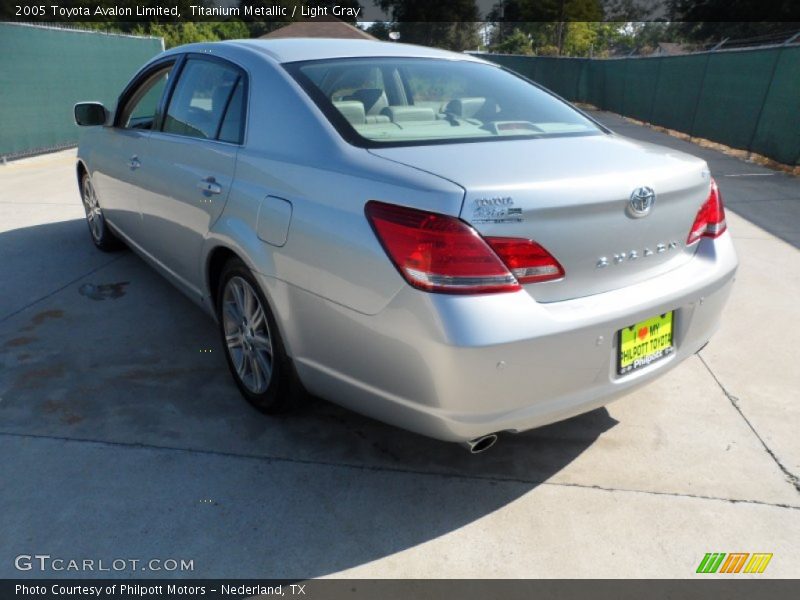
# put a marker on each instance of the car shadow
(116, 355)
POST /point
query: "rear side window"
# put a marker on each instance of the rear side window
(232, 129)
(201, 100)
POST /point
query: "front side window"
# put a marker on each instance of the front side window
(141, 105)
(201, 99)
(407, 101)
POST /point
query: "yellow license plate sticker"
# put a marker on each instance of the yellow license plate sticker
(644, 343)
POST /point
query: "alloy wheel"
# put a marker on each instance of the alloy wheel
(247, 335)
(94, 215)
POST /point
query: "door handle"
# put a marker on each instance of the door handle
(209, 185)
(134, 163)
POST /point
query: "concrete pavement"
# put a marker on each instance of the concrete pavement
(122, 435)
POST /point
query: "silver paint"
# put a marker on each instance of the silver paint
(357, 333)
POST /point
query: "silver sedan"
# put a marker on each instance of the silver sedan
(420, 236)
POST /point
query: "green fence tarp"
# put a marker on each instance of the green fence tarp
(778, 131)
(680, 81)
(747, 99)
(639, 91)
(44, 71)
(734, 89)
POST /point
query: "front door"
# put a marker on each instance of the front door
(191, 163)
(117, 161)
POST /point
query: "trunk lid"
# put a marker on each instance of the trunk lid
(572, 195)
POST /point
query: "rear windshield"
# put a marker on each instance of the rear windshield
(409, 101)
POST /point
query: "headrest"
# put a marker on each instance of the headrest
(406, 114)
(370, 97)
(352, 110)
(465, 108)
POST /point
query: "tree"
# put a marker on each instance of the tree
(380, 30)
(698, 20)
(453, 25)
(518, 42)
(259, 25)
(625, 11)
(188, 32)
(549, 21)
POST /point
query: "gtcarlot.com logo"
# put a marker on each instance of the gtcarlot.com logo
(47, 563)
(734, 562)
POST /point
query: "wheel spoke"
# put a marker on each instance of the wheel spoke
(262, 343)
(239, 361)
(257, 317)
(256, 371)
(250, 302)
(231, 310)
(234, 340)
(238, 296)
(264, 365)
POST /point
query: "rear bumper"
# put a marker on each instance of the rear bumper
(455, 368)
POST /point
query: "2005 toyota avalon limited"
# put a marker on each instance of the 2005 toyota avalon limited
(421, 236)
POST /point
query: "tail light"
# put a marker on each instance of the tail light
(439, 253)
(528, 261)
(710, 219)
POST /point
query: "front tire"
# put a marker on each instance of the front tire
(102, 236)
(256, 357)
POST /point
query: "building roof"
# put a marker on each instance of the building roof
(319, 29)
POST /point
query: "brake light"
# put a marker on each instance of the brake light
(528, 261)
(710, 219)
(439, 253)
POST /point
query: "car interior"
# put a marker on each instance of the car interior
(396, 102)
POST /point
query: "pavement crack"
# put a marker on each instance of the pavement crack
(63, 287)
(674, 494)
(790, 477)
(396, 470)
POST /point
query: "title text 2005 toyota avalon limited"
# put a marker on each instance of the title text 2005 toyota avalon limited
(421, 236)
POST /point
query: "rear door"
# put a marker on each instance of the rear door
(117, 160)
(191, 163)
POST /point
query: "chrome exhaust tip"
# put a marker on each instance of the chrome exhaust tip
(481, 444)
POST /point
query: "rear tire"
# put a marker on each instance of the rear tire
(254, 350)
(102, 236)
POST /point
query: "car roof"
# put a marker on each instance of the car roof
(300, 49)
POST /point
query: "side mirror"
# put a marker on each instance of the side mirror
(88, 114)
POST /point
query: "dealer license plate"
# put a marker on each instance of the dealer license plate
(644, 343)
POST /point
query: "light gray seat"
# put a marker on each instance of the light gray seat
(470, 108)
(373, 99)
(352, 110)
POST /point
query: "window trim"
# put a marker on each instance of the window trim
(244, 77)
(349, 134)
